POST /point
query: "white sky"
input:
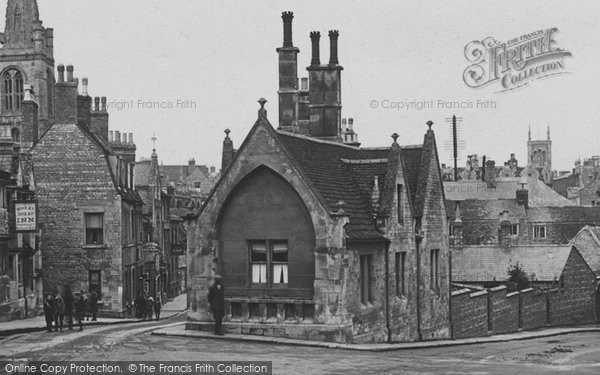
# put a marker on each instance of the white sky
(221, 55)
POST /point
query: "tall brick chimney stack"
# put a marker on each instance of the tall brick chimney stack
(315, 36)
(65, 97)
(287, 29)
(30, 117)
(333, 47)
(227, 156)
(288, 77)
(84, 106)
(99, 119)
(325, 96)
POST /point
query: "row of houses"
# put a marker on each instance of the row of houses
(318, 238)
(76, 210)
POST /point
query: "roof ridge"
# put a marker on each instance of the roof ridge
(317, 140)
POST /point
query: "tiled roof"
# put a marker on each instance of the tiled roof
(491, 263)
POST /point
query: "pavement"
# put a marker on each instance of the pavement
(38, 323)
(180, 331)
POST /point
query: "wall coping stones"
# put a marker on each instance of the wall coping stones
(477, 294)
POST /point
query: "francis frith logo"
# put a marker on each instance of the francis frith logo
(515, 63)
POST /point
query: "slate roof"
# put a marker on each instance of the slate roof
(565, 215)
(491, 263)
(342, 173)
(127, 194)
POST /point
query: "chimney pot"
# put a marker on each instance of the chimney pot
(70, 73)
(84, 89)
(96, 103)
(61, 73)
(333, 47)
(103, 101)
(110, 136)
(131, 138)
(287, 28)
(314, 37)
(117, 136)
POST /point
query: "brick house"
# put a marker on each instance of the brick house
(318, 239)
(90, 213)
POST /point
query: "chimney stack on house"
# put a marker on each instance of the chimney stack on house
(324, 85)
(504, 231)
(523, 197)
(84, 106)
(65, 93)
(288, 77)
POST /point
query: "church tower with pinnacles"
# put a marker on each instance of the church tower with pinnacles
(26, 61)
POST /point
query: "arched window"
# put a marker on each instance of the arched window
(12, 90)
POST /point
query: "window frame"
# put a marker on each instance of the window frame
(366, 279)
(12, 90)
(514, 232)
(537, 229)
(87, 238)
(269, 264)
(400, 268)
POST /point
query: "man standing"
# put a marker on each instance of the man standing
(59, 312)
(69, 307)
(49, 311)
(79, 308)
(94, 297)
(216, 298)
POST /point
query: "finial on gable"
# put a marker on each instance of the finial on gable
(430, 124)
(262, 112)
(227, 131)
(395, 137)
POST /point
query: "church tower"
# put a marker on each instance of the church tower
(26, 58)
(539, 156)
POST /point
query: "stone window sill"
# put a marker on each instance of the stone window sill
(90, 246)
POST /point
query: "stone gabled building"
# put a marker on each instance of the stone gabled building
(90, 213)
(318, 239)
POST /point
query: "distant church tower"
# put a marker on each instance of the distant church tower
(539, 155)
(26, 58)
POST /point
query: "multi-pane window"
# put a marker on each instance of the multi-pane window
(434, 269)
(539, 231)
(366, 295)
(400, 265)
(12, 90)
(94, 228)
(269, 262)
(258, 261)
(514, 229)
(279, 251)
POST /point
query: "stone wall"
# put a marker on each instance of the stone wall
(494, 311)
(73, 177)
